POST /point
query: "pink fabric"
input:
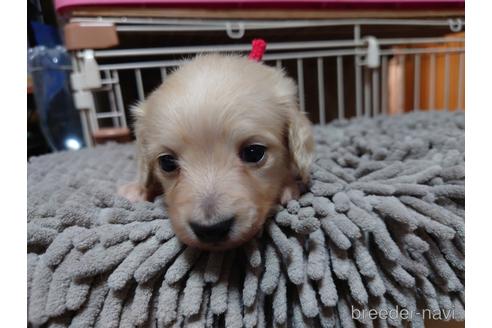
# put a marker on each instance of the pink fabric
(61, 5)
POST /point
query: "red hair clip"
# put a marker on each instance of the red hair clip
(257, 50)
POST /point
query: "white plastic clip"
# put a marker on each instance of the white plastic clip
(455, 25)
(236, 33)
(85, 80)
(83, 99)
(372, 59)
(89, 76)
(91, 70)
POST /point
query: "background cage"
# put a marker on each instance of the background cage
(343, 67)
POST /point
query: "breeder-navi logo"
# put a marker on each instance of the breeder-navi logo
(401, 313)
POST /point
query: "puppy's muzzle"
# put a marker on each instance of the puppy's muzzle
(212, 233)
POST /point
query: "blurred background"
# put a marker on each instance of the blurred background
(90, 60)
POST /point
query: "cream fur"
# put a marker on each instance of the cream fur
(203, 114)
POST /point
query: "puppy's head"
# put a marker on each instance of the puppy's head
(224, 138)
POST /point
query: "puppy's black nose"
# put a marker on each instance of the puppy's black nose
(212, 233)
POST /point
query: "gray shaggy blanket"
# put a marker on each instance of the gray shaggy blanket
(382, 227)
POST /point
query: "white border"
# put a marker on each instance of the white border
(478, 92)
(13, 160)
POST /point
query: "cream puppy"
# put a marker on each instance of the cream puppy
(225, 142)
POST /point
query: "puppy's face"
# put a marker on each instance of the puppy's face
(224, 139)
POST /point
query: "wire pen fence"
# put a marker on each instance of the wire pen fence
(362, 76)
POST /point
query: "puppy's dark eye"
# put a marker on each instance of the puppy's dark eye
(252, 153)
(168, 163)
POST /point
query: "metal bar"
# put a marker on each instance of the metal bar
(384, 85)
(119, 99)
(202, 23)
(284, 56)
(108, 81)
(271, 47)
(314, 54)
(358, 75)
(184, 28)
(402, 60)
(278, 64)
(83, 113)
(375, 91)
(446, 82)
(432, 82)
(341, 105)
(321, 91)
(221, 48)
(461, 80)
(91, 113)
(163, 74)
(300, 84)
(92, 117)
(367, 93)
(112, 101)
(268, 57)
(140, 88)
(416, 83)
(421, 51)
(156, 28)
(147, 64)
(108, 115)
(405, 41)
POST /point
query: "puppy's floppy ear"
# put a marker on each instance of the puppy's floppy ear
(145, 176)
(299, 134)
(301, 143)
